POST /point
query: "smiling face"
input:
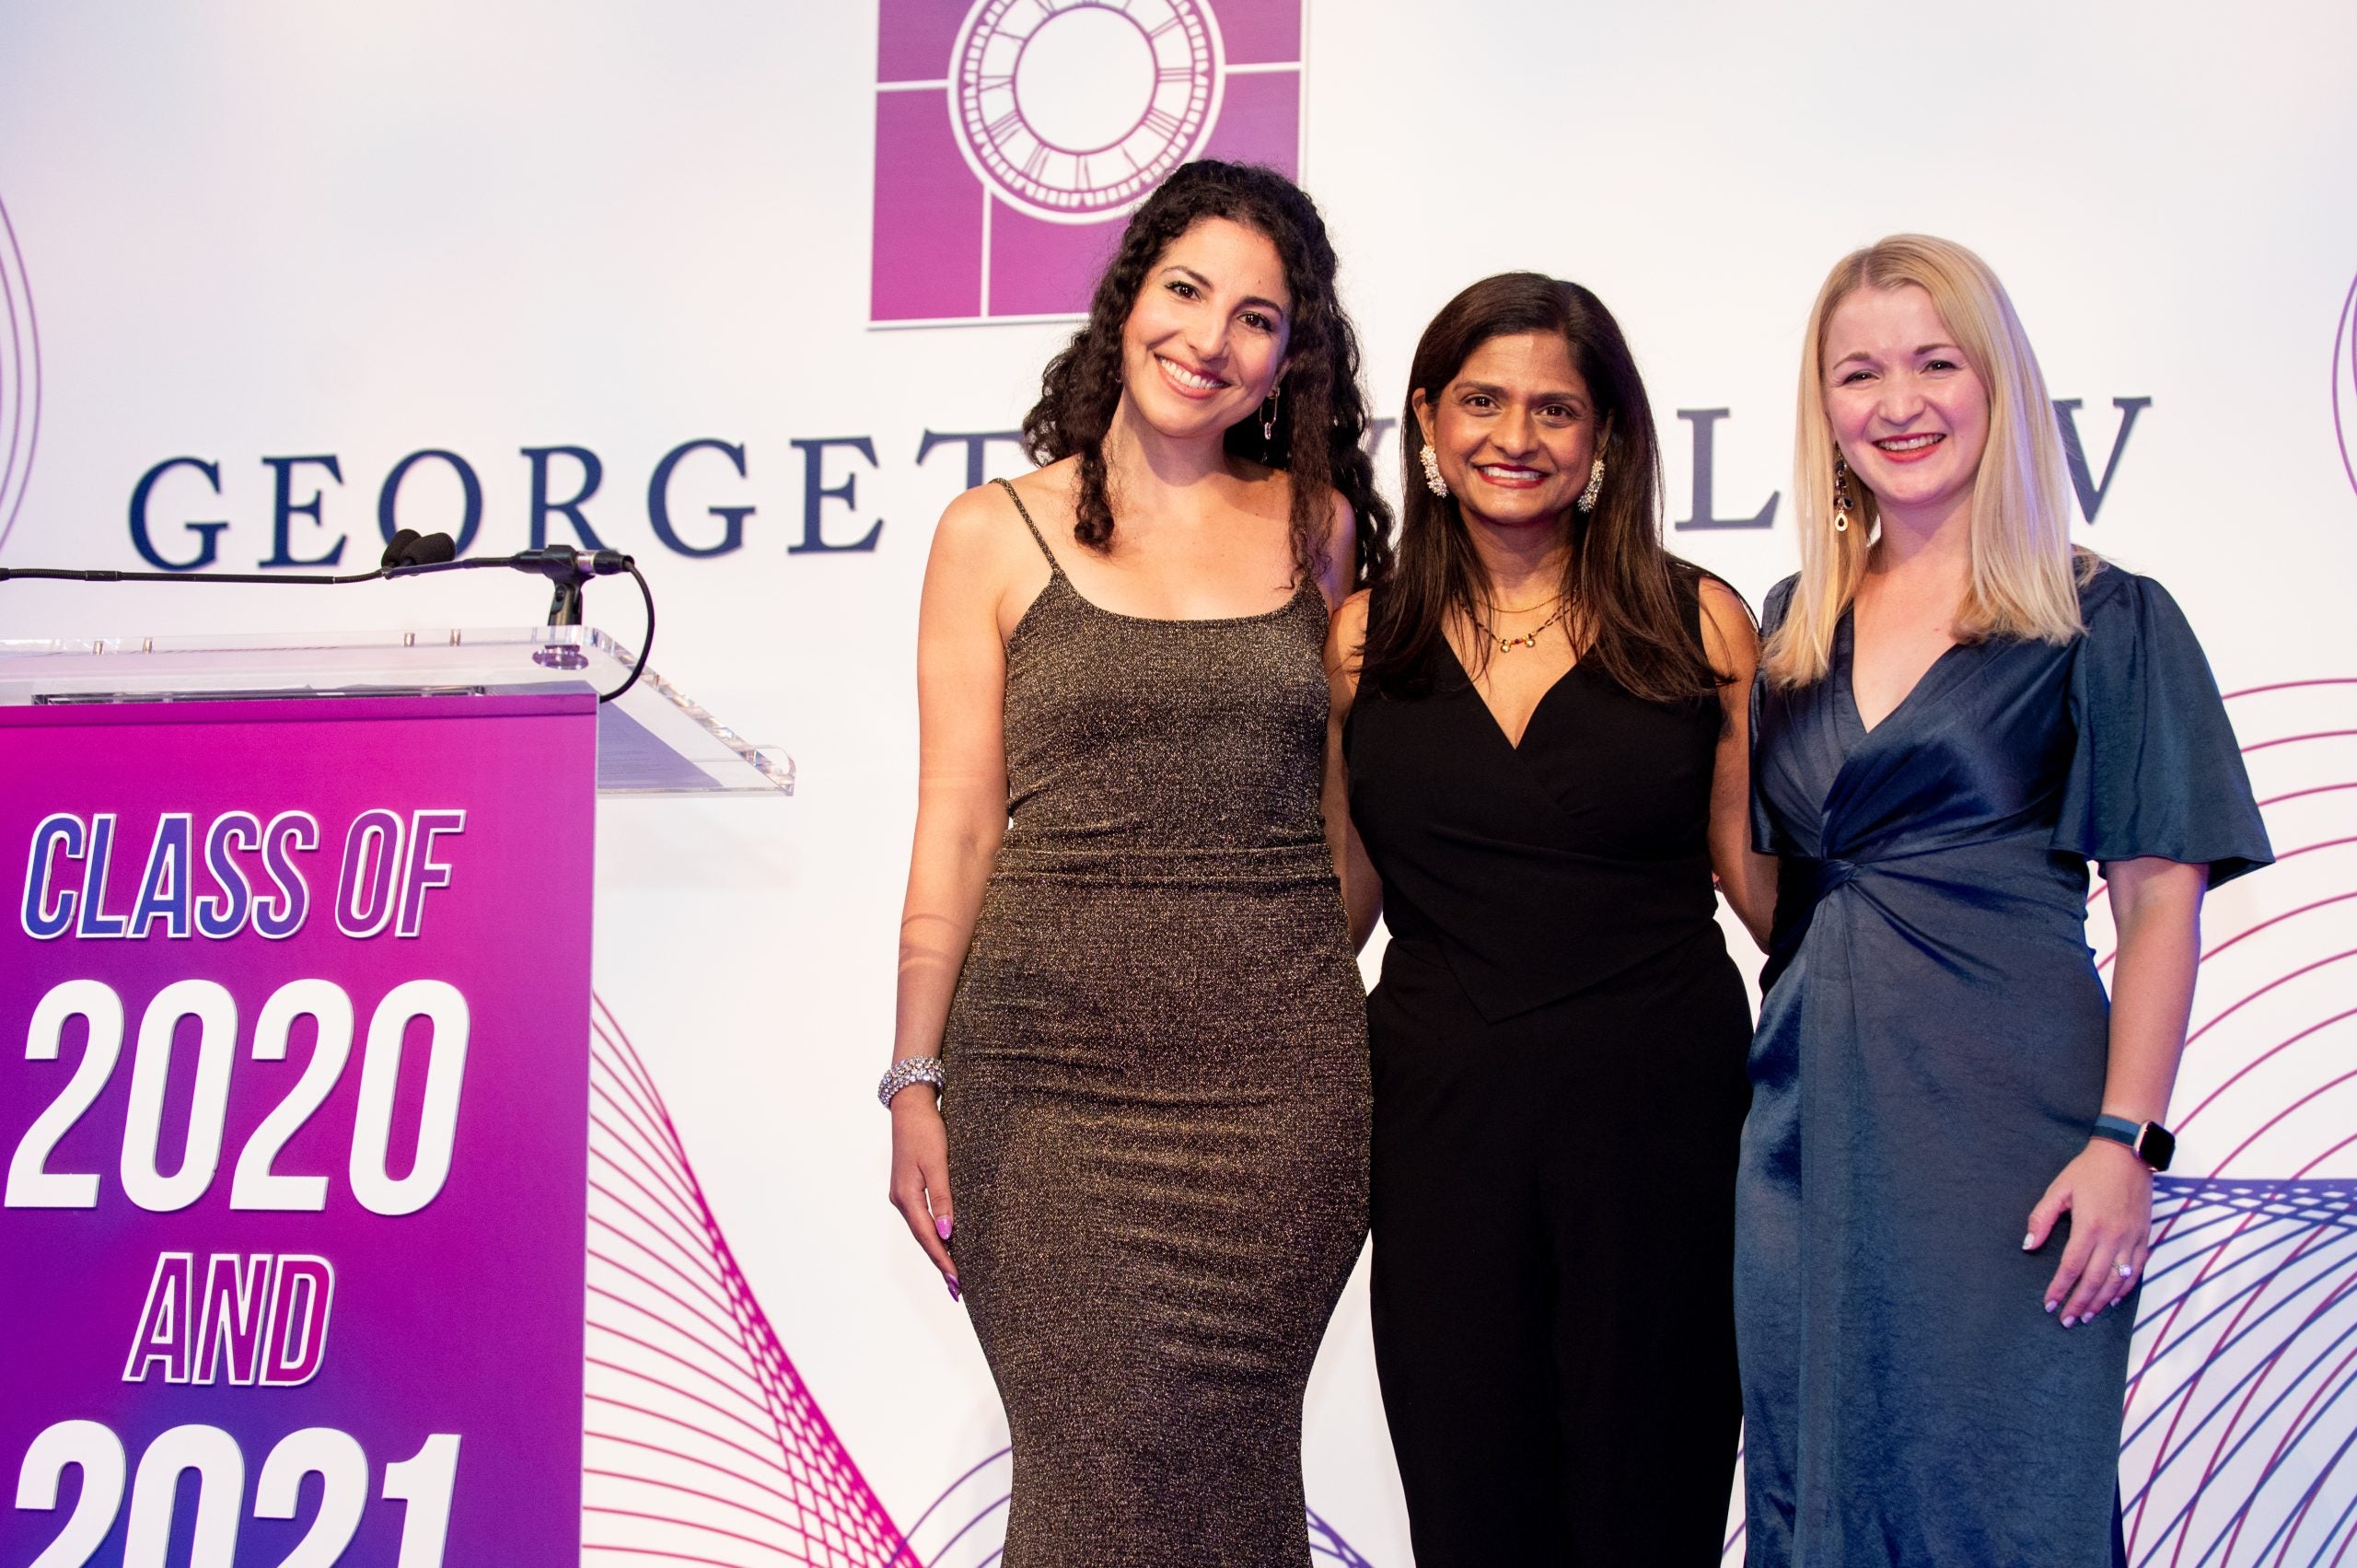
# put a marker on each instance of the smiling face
(1909, 412)
(1206, 340)
(1514, 431)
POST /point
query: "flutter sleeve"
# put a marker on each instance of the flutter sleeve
(2156, 770)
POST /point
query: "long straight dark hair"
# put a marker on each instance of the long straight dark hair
(1625, 617)
(1082, 386)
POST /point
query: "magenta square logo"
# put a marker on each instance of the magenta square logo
(1014, 136)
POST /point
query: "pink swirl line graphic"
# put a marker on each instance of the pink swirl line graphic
(966, 1526)
(701, 1442)
(2344, 380)
(2238, 1421)
(20, 378)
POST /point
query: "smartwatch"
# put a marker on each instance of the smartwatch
(2148, 1141)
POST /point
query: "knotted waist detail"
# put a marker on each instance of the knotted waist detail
(2023, 875)
(1802, 884)
(1816, 879)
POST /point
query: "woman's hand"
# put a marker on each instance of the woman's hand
(920, 1176)
(2107, 1191)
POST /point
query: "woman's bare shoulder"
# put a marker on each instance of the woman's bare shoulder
(1346, 646)
(1730, 638)
(984, 521)
(1722, 607)
(1348, 625)
(973, 527)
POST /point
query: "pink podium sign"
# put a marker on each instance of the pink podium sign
(294, 1106)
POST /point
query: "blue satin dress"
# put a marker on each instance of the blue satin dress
(1931, 1052)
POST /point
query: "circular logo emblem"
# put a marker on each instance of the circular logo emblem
(2344, 384)
(20, 379)
(1073, 109)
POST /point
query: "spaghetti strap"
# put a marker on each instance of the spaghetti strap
(1054, 567)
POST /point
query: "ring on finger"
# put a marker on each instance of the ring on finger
(2126, 1271)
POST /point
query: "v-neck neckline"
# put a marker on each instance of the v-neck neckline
(1846, 647)
(1514, 743)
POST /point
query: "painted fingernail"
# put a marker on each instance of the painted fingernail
(2029, 1241)
(2068, 1321)
(952, 1284)
(941, 1227)
(2052, 1305)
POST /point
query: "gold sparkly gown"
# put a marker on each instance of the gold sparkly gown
(1157, 1085)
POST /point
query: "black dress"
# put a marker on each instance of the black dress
(1558, 1040)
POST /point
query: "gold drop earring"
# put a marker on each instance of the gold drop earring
(1843, 504)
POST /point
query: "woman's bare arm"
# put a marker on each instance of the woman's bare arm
(2156, 909)
(1362, 889)
(1746, 877)
(961, 816)
(2107, 1190)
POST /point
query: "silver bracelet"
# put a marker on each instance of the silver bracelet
(909, 1070)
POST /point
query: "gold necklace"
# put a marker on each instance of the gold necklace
(1530, 638)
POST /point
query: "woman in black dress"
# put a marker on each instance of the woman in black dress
(1540, 726)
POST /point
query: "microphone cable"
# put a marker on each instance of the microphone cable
(646, 643)
(408, 555)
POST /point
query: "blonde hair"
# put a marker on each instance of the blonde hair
(2024, 577)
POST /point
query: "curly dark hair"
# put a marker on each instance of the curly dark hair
(1082, 386)
(1624, 586)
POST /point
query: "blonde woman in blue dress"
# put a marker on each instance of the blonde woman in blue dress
(1944, 1204)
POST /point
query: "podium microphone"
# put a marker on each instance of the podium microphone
(412, 554)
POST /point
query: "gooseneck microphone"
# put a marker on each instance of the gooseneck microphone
(412, 554)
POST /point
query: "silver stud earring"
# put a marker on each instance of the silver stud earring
(1433, 480)
(1586, 502)
(1269, 415)
(1841, 502)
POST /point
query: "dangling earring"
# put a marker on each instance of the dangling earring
(1269, 415)
(1433, 480)
(1841, 502)
(1587, 503)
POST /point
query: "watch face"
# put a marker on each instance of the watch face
(2157, 1146)
(1073, 109)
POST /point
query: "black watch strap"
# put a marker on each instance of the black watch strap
(2148, 1141)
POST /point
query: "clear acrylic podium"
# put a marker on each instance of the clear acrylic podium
(653, 740)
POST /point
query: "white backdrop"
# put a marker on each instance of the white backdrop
(271, 230)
